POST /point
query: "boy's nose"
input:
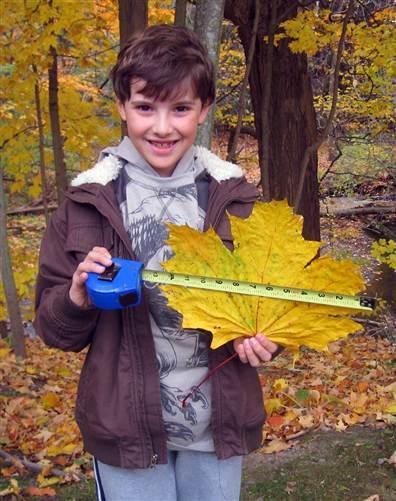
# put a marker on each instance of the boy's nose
(162, 125)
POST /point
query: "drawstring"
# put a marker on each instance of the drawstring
(208, 375)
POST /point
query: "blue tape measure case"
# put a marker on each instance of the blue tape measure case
(119, 286)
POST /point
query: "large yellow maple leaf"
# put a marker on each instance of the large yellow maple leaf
(268, 248)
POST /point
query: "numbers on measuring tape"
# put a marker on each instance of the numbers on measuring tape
(257, 289)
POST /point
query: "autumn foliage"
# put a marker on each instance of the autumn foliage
(353, 384)
(269, 249)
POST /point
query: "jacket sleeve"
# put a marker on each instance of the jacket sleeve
(58, 321)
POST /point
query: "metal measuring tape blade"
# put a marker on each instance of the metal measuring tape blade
(262, 290)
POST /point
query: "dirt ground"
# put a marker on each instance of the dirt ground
(326, 465)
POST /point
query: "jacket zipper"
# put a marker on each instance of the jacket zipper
(217, 216)
(154, 460)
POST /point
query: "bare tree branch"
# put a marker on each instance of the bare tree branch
(339, 155)
(242, 96)
(226, 94)
(35, 468)
(22, 131)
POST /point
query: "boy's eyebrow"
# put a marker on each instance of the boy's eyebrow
(148, 100)
(184, 102)
(141, 100)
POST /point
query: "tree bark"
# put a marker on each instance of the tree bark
(288, 116)
(208, 22)
(314, 146)
(180, 12)
(57, 139)
(44, 189)
(132, 18)
(9, 287)
(356, 211)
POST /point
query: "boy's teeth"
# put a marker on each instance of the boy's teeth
(162, 145)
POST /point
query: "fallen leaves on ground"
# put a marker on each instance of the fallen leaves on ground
(37, 398)
(354, 384)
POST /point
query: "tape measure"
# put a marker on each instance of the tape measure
(120, 286)
(262, 290)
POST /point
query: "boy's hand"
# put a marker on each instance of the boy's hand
(92, 263)
(254, 350)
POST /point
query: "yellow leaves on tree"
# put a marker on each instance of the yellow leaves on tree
(268, 248)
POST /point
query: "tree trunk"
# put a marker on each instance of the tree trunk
(10, 292)
(57, 139)
(288, 117)
(44, 189)
(208, 22)
(132, 17)
(180, 12)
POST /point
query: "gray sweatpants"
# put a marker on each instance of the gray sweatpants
(188, 476)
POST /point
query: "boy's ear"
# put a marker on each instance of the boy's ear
(204, 112)
(121, 109)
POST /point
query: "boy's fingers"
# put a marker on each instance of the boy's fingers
(90, 266)
(266, 343)
(242, 354)
(254, 349)
(99, 256)
(101, 250)
(259, 350)
(238, 347)
(253, 360)
(81, 277)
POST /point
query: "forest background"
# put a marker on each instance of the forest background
(304, 104)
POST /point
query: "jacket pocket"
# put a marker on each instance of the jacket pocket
(82, 239)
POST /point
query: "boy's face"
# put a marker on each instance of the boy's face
(162, 131)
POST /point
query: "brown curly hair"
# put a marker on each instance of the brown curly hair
(165, 57)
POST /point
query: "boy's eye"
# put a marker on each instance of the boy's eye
(182, 109)
(143, 107)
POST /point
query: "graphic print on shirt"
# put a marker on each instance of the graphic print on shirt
(145, 209)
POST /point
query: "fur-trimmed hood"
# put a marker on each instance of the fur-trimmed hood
(108, 168)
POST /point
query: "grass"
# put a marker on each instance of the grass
(329, 466)
(325, 466)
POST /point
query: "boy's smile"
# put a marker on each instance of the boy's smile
(163, 130)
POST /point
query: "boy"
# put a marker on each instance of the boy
(141, 364)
